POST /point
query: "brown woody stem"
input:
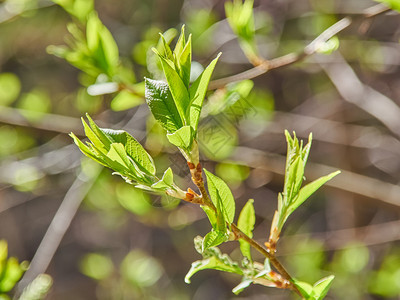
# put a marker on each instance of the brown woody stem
(271, 257)
(197, 178)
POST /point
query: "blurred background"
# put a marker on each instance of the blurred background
(124, 244)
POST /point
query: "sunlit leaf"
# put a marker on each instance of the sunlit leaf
(177, 87)
(197, 92)
(321, 288)
(182, 138)
(213, 239)
(221, 196)
(162, 105)
(246, 221)
(166, 181)
(310, 188)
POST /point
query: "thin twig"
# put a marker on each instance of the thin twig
(354, 91)
(291, 58)
(58, 227)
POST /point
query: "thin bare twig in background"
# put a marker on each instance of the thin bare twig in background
(354, 91)
(48, 122)
(291, 58)
(58, 227)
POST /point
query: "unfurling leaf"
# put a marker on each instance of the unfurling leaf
(212, 259)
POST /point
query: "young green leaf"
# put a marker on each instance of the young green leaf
(221, 196)
(180, 44)
(166, 181)
(162, 105)
(246, 221)
(184, 61)
(212, 259)
(321, 288)
(182, 138)
(133, 148)
(212, 216)
(197, 92)
(304, 288)
(176, 86)
(167, 53)
(101, 45)
(310, 188)
(118, 154)
(213, 239)
(241, 19)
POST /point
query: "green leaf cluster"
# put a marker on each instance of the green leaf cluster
(94, 52)
(293, 193)
(317, 291)
(10, 270)
(241, 19)
(176, 104)
(121, 152)
(214, 259)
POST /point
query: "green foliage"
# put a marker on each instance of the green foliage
(317, 291)
(176, 105)
(222, 197)
(183, 102)
(119, 151)
(162, 105)
(10, 270)
(246, 221)
(293, 194)
(241, 19)
(212, 259)
(94, 52)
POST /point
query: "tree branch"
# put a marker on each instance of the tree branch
(291, 58)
